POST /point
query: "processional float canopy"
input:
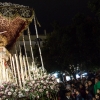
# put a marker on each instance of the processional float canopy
(14, 18)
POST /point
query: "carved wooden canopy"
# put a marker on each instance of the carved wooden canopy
(14, 18)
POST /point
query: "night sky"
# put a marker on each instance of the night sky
(48, 11)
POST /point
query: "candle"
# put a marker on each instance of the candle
(15, 76)
(3, 70)
(7, 75)
(19, 76)
(12, 67)
(22, 75)
(25, 66)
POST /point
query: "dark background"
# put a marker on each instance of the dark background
(49, 11)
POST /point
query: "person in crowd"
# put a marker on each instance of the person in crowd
(68, 95)
(68, 86)
(88, 95)
(97, 97)
(90, 75)
(86, 85)
(61, 92)
(91, 87)
(97, 84)
(98, 91)
(82, 91)
(78, 95)
(83, 81)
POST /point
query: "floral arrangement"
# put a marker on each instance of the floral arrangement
(42, 88)
(8, 91)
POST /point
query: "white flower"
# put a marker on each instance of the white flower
(51, 87)
(14, 84)
(6, 90)
(1, 86)
(20, 95)
(9, 93)
(44, 87)
(11, 90)
(38, 84)
(35, 85)
(0, 99)
(45, 75)
(19, 92)
(16, 90)
(30, 84)
(42, 81)
(47, 92)
(46, 81)
(40, 90)
(53, 77)
(38, 97)
(27, 90)
(3, 97)
(1, 92)
(51, 82)
(33, 82)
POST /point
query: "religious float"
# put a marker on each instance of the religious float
(19, 80)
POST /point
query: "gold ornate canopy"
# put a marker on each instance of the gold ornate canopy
(14, 18)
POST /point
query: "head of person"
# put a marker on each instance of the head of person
(97, 96)
(87, 91)
(77, 92)
(98, 91)
(80, 86)
(67, 93)
(96, 79)
(72, 85)
(89, 82)
(86, 84)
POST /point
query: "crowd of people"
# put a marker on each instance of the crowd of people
(80, 89)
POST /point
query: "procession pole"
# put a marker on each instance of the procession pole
(26, 58)
(24, 61)
(11, 64)
(19, 75)
(38, 42)
(30, 44)
(15, 74)
(21, 65)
